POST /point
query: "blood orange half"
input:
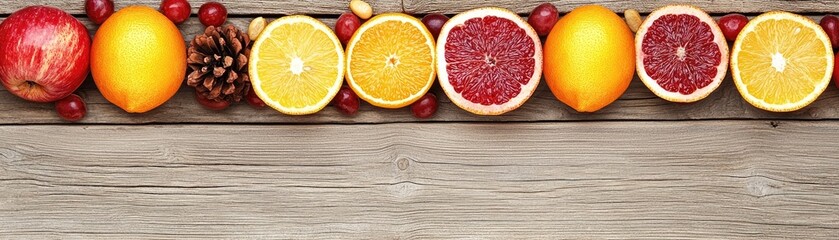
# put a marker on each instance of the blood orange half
(681, 53)
(489, 60)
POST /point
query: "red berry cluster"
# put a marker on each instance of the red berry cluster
(176, 10)
(72, 108)
(434, 22)
(210, 13)
(830, 24)
(732, 24)
(347, 101)
(99, 10)
(346, 26)
(543, 18)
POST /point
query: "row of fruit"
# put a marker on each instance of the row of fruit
(488, 61)
(137, 57)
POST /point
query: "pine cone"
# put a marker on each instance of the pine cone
(218, 59)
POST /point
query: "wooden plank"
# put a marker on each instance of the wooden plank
(578, 180)
(711, 6)
(234, 7)
(638, 103)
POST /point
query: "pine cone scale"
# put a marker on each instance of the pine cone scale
(242, 62)
(209, 82)
(219, 72)
(228, 61)
(194, 78)
(231, 89)
(232, 77)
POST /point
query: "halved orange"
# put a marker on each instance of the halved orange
(296, 65)
(781, 62)
(390, 60)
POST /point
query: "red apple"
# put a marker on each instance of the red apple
(44, 53)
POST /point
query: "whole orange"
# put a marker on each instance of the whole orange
(138, 59)
(589, 58)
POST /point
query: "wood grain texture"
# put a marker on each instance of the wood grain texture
(604, 180)
(646, 6)
(234, 7)
(642, 168)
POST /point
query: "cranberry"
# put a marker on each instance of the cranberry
(543, 18)
(212, 14)
(732, 24)
(346, 26)
(346, 101)
(830, 24)
(211, 104)
(71, 108)
(254, 99)
(425, 107)
(99, 10)
(434, 22)
(176, 10)
(836, 69)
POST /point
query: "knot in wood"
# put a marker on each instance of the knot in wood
(402, 163)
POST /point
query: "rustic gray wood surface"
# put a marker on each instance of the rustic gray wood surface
(639, 180)
(642, 168)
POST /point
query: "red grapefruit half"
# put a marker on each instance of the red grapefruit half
(681, 53)
(489, 60)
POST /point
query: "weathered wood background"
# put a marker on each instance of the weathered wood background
(642, 168)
